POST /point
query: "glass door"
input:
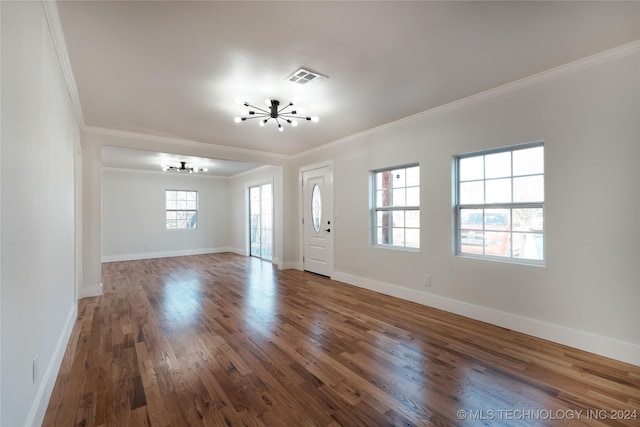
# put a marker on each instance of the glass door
(261, 221)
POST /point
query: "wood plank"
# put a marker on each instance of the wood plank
(219, 340)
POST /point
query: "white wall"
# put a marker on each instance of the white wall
(588, 294)
(239, 209)
(133, 215)
(37, 213)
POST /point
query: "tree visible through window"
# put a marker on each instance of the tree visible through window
(499, 210)
(181, 209)
(396, 207)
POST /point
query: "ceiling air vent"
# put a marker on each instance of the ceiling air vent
(302, 76)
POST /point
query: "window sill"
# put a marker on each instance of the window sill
(504, 260)
(395, 248)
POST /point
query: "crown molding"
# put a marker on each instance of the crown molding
(252, 171)
(165, 173)
(184, 142)
(60, 45)
(198, 175)
(603, 57)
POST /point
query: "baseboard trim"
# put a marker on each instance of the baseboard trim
(277, 262)
(290, 266)
(41, 402)
(238, 251)
(166, 254)
(90, 291)
(603, 346)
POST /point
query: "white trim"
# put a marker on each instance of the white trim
(327, 163)
(598, 344)
(544, 76)
(277, 263)
(78, 214)
(60, 45)
(160, 172)
(247, 213)
(0, 218)
(167, 254)
(43, 394)
(251, 171)
(237, 251)
(292, 265)
(299, 265)
(90, 291)
(182, 142)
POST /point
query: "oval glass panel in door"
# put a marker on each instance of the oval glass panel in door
(316, 208)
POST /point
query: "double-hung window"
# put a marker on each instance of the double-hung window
(396, 207)
(499, 206)
(181, 209)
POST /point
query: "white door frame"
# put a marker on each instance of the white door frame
(301, 210)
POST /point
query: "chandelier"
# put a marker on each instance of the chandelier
(284, 114)
(183, 168)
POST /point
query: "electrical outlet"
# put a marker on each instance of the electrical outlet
(427, 280)
(35, 369)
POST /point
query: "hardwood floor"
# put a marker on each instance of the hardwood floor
(224, 340)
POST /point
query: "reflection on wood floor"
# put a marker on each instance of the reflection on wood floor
(225, 340)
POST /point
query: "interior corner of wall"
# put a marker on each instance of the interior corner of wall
(291, 265)
(91, 291)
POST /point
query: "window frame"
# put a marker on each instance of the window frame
(167, 210)
(374, 209)
(261, 225)
(510, 206)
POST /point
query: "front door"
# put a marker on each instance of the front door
(317, 218)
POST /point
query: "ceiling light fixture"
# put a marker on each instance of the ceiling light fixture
(183, 168)
(273, 112)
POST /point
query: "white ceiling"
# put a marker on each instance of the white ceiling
(176, 68)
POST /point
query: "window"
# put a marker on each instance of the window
(396, 207)
(261, 221)
(316, 208)
(182, 209)
(499, 209)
